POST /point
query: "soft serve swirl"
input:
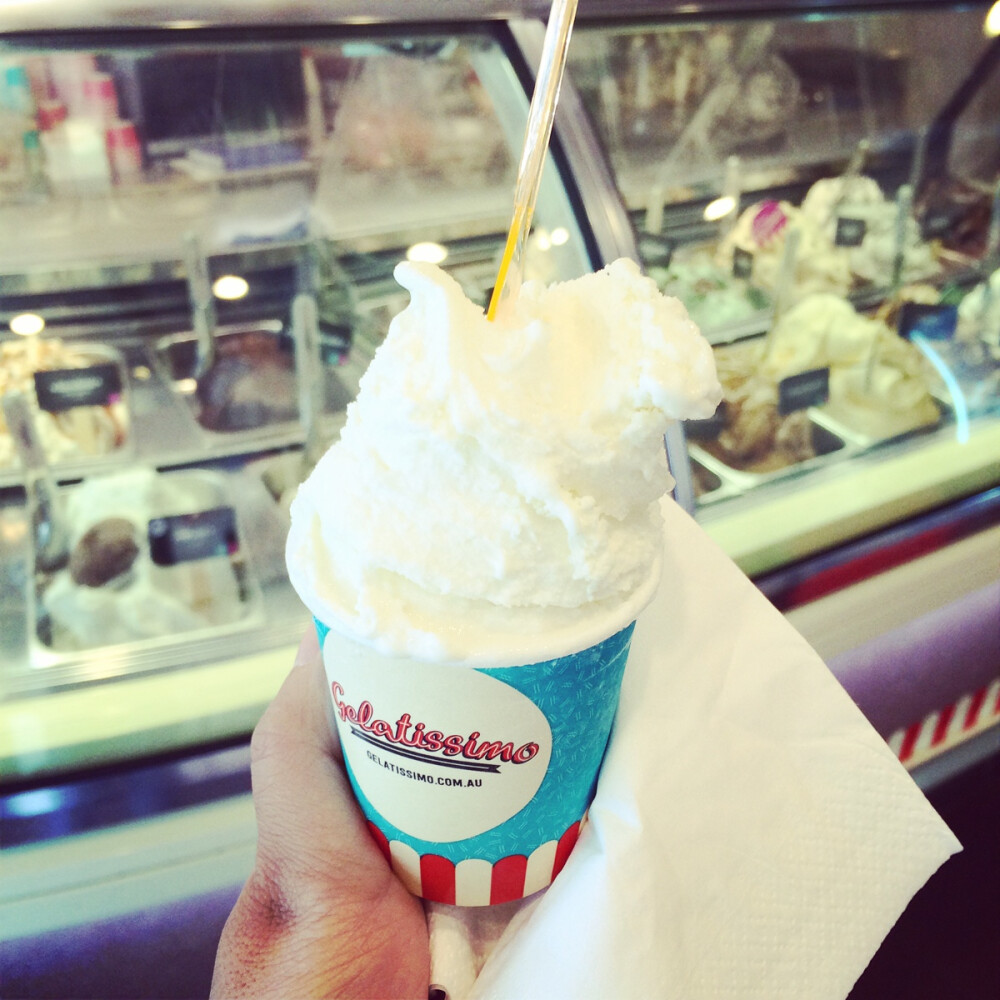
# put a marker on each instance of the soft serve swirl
(499, 481)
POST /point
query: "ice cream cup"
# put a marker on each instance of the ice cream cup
(474, 780)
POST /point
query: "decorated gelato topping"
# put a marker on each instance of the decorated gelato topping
(823, 263)
(761, 231)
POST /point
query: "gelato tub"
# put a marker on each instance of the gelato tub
(474, 781)
(152, 557)
(80, 397)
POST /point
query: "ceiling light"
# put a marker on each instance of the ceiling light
(27, 324)
(991, 27)
(430, 253)
(230, 287)
(719, 208)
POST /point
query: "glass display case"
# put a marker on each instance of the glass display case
(200, 230)
(201, 206)
(201, 216)
(821, 188)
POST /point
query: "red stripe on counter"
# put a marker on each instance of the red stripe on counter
(507, 880)
(437, 879)
(975, 707)
(910, 739)
(382, 840)
(563, 848)
(943, 722)
(975, 711)
(863, 567)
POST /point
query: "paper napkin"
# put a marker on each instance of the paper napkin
(752, 835)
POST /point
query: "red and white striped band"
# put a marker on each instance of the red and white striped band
(475, 882)
(947, 727)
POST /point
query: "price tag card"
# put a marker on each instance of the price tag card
(850, 232)
(933, 322)
(65, 388)
(655, 250)
(937, 224)
(709, 428)
(742, 263)
(188, 537)
(809, 388)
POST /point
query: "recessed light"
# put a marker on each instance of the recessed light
(27, 324)
(719, 208)
(991, 26)
(230, 287)
(429, 253)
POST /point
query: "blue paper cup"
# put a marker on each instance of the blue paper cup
(474, 780)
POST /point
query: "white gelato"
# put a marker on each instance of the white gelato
(73, 434)
(879, 383)
(829, 197)
(979, 317)
(820, 264)
(149, 600)
(822, 330)
(495, 490)
(861, 198)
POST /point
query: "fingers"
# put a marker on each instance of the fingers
(306, 812)
(322, 914)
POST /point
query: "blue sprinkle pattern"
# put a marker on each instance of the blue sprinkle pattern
(579, 696)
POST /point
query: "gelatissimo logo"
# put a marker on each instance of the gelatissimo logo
(418, 742)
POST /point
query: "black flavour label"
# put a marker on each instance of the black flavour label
(709, 428)
(742, 263)
(655, 250)
(64, 388)
(850, 232)
(188, 537)
(936, 225)
(810, 388)
(936, 322)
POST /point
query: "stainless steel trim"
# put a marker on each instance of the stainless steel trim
(48, 523)
(679, 460)
(21, 16)
(625, 9)
(69, 15)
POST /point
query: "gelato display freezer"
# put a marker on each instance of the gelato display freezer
(789, 179)
(820, 189)
(201, 209)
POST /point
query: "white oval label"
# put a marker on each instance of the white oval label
(444, 753)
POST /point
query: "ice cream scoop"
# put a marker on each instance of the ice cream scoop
(498, 480)
(105, 553)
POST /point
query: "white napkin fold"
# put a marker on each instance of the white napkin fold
(752, 835)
